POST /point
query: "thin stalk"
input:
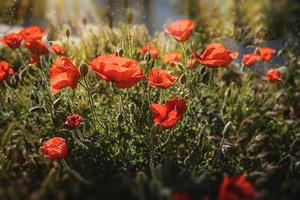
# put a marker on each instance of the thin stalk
(153, 133)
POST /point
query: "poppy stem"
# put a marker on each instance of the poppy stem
(76, 140)
(210, 82)
(185, 53)
(153, 132)
(75, 173)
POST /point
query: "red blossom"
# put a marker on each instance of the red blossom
(55, 148)
(63, 73)
(12, 40)
(167, 116)
(274, 76)
(181, 30)
(5, 70)
(215, 56)
(159, 79)
(124, 72)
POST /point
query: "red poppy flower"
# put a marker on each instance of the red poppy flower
(57, 49)
(122, 71)
(181, 30)
(159, 79)
(265, 53)
(63, 74)
(5, 70)
(36, 47)
(250, 59)
(55, 148)
(216, 55)
(151, 49)
(34, 59)
(274, 76)
(191, 63)
(32, 33)
(73, 121)
(236, 188)
(172, 58)
(12, 40)
(169, 115)
(181, 196)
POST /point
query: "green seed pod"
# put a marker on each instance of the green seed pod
(182, 79)
(68, 33)
(84, 69)
(147, 57)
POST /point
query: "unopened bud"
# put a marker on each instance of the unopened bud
(84, 69)
(147, 57)
(129, 17)
(182, 79)
(68, 33)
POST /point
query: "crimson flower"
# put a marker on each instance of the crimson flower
(55, 148)
(36, 47)
(172, 58)
(236, 188)
(215, 56)
(159, 79)
(181, 30)
(12, 40)
(32, 33)
(250, 59)
(5, 70)
(265, 53)
(63, 73)
(274, 76)
(57, 49)
(151, 49)
(124, 72)
(73, 121)
(169, 115)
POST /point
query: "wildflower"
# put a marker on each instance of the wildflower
(172, 58)
(236, 188)
(159, 79)
(35, 59)
(265, 53)
(191, 63)
(215, 56)
(274, 76)
(32, 33)
(181, 30)
(73, 121)
(168, 116)
(63, 73)
(55, 148)
(250, 59)
(57, 49)
(122, 71)
(36, 47)
(151, 49)
(5, 70)
(12, 40)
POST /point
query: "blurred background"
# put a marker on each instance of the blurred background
(263, 19)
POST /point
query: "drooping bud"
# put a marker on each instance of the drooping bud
(84, 69)
(182, 79)
(68, 33)
(129, 17)
(147, 57)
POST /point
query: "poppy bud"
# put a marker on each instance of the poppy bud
(182, 79)
(84, 21)
(13, 81)
(180, 66)
(129, 17)
(84, 69)
(68, 33)
(147, 57)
